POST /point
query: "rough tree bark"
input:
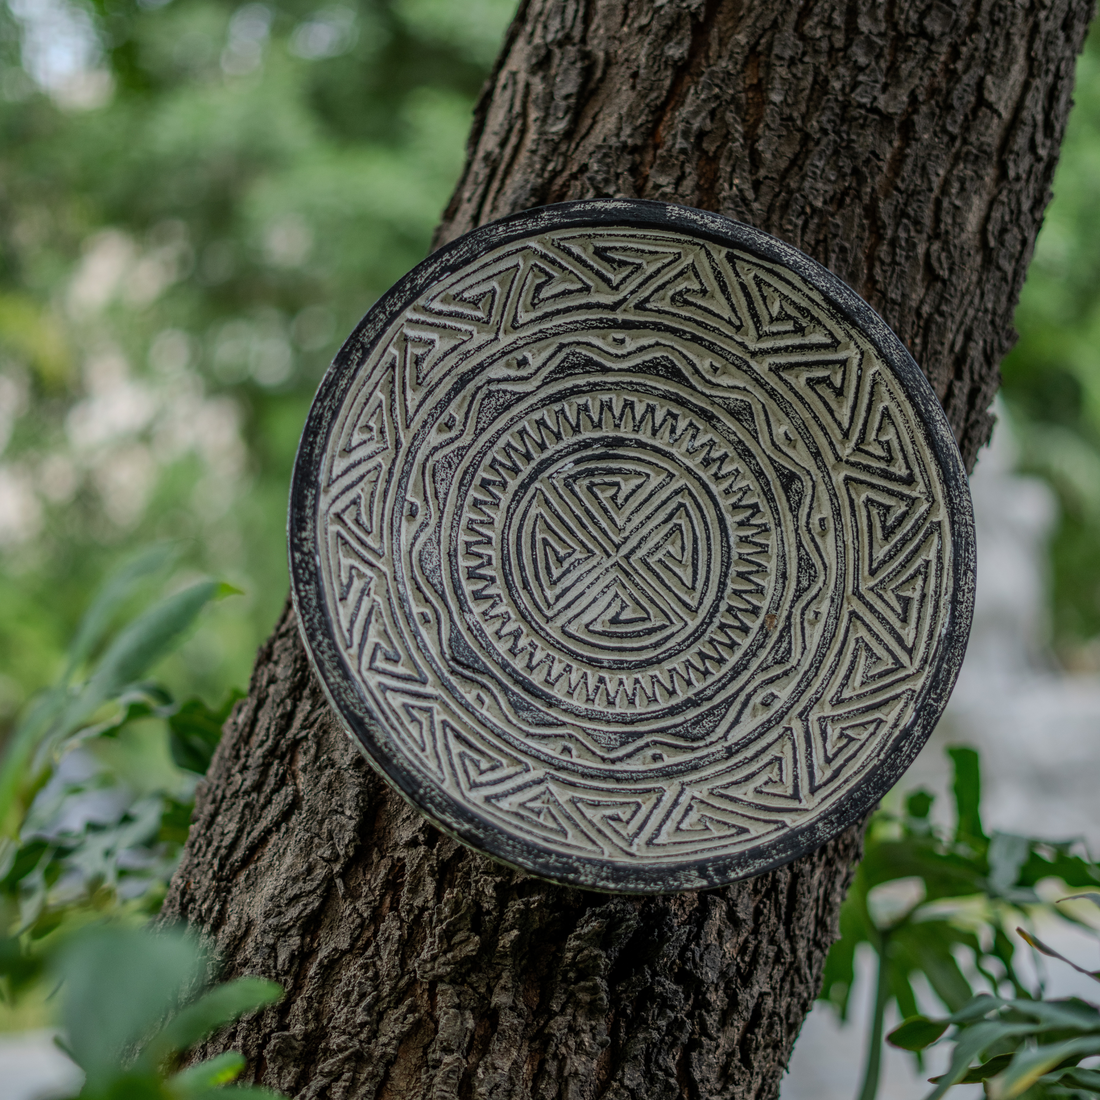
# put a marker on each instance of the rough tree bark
(909, 147)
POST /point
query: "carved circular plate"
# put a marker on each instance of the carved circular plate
(631, 546)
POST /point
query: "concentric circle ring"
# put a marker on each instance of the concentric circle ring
(631, 546)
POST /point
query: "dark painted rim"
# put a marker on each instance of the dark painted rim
(423, 792)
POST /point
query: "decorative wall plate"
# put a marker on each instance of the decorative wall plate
(631, 546)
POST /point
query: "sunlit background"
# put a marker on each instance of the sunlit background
(199, 200)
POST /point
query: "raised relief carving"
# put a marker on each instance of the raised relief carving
(637, 557)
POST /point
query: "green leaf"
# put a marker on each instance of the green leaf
(20, 748)
(139, 646)
(211, 1074)
(126, 1085)
(969, 1044)
(195, 731)
(1034, 941)
(1007, 854)
(17, 965)
(916, 1033)
(1076, 1076)
(929, 945)
(1088, 896)
(840, 962)
(221, 1005)
(918, 804)
(1070, 1013)
(968, 795)
(175, 821)
(1004, 949)
(1028, 1066)
(118, 983)
(112, 594)
(980, 1073)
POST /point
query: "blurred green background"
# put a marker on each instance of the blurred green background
(198, 200)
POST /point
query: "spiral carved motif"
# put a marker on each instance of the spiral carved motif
(633, 554)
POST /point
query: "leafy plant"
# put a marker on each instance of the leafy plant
(1017, 1048)
(125, 1022)
(97, 783)
(103, 839)
(941, 904)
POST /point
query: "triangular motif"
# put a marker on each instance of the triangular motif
(480, 301)
(373, 431)
(781, 315)
(620, 266)
(558, 555)
(840, 736)
(882, 448)
(902, 597)
(353, 579)
(697, 290)
(702, 818)
(774, 776)
(604, 506)
(545, 288)
(477, 766)
(834, 740)
(617, 496)
(833, 380)
(778, 318)
(416, 716)
(357, 512)
(422, 346)
(544, 809)
(622, 615)
(673, 554)
(623, 820)
(888, 520)
(370, 435)
(538, 808)
(422, 721)
(385, 657)
(867, 662)
(621, 610)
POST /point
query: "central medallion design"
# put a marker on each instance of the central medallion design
(613, 555)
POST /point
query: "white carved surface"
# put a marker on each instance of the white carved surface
(633, 545)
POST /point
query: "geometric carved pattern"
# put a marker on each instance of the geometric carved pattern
(634, 555)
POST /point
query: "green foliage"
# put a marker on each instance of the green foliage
(121, 1015)
(941, 904)
(129, 1009)
(97, 782)
(195, 730)
(131, 999)
(1018, 1047)
(64, 710)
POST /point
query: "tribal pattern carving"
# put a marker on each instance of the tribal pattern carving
(635, 550)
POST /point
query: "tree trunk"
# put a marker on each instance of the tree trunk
(907, 146)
